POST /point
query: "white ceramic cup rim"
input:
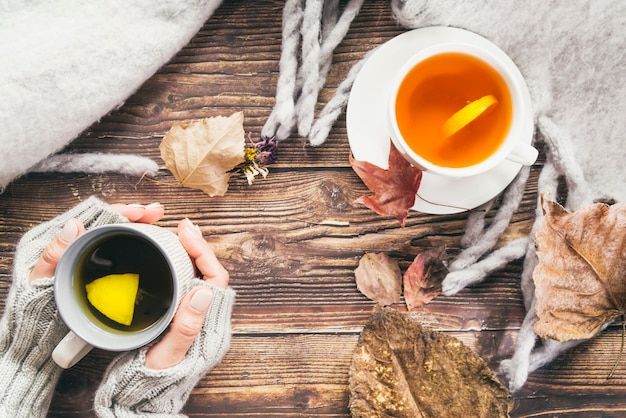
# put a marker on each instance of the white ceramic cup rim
(77, 320)
(521, 128)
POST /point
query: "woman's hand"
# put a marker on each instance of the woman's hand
(47, 263)
(31, 327)
(189, 317)
(157, 380)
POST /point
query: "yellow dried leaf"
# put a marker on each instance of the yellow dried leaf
(580, 280)
(200, 154)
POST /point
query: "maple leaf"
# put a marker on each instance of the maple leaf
(580, 279)
(422, 280)
(201, 154)
(394, 189)
(379, 278)
(403, 370)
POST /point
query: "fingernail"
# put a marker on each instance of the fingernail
(135, 205)
(154, 205)
(201, 300)
(193, 228)
(69, 231)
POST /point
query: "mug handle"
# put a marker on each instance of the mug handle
(524, 154)
(70, 350)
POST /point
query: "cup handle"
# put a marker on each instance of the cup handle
(524, 154)
(70, 350)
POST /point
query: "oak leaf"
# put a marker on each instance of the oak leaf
(201, 154)
(422, 280)
(580, 279)
(400, 369)
(379, 278)
(393, 190)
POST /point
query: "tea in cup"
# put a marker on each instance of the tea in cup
(117, 288)
(458, 109)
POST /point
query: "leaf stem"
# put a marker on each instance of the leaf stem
(621, 351)
(163, 183)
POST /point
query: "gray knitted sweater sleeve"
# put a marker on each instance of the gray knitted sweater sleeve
(30, 327)
(131, 390)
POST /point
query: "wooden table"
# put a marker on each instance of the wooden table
(298, 313)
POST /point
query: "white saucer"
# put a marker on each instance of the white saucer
(369, 139)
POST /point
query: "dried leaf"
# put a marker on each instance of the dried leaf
(200, 154)
(393, 189)
(400, 369)
(580, 280)
(379, 278)
(422, 280)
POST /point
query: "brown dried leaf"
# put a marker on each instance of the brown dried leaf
(422, 280)
(200, 154)
(400, 369)
(379, 278)
(580, 280)
(393, 189)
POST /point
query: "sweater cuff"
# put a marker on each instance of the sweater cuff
(130, 389)
(30, 327)
(92, 212)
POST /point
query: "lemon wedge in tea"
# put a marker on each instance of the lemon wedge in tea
(114, 296)
(467, 114)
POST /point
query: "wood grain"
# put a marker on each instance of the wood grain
(298, 313)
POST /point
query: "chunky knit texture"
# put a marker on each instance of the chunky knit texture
(31, 327)
(311, 31)
(572, 57)
(129, 389)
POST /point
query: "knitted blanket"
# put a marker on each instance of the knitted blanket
(572, 57)
(67, 63)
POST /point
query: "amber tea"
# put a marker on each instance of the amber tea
(125, 255)
(437, 88)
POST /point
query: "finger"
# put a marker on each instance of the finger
(140, 213)
(132, 212)
(47, 263)
(154, 212)
(202, 254)
(185, 327)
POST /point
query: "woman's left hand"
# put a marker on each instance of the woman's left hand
(47, 263)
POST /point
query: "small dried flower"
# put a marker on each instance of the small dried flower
(257, 155)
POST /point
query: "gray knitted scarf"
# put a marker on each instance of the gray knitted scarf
(572, 57)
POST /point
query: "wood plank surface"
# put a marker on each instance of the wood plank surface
(298, 313)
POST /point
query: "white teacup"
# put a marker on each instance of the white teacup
(515, 142)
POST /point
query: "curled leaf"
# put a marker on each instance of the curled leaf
(580, 280)
(400, 369)
(393, 190)
(422, 280)
(379, 278)
(202, 153)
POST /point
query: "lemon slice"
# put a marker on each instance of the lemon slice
(114, 296)
(467, 114)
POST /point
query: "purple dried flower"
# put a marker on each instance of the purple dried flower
(257, 155)
(267, 149)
